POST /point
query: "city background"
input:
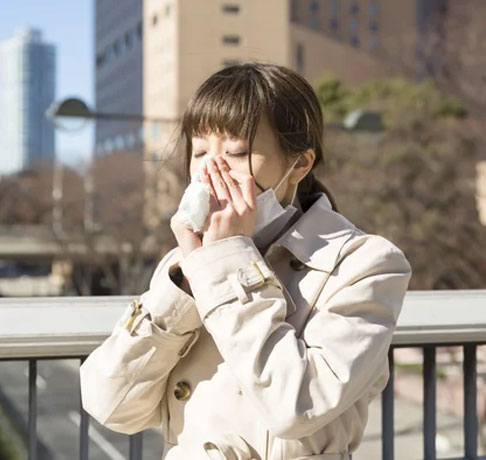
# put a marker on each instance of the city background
(91, 170)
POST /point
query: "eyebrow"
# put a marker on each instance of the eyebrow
(223, 138)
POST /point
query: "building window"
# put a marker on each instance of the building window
(154, 20)
(168, 9)
(109, 55)
(374, 43)
(334, 24)
(314, 21)
(353, 25)
(374, 26)
(129, 39)
(117, 48)
(119, 142)
(230, 8)
(130, 140)
(299, 58)
(334, 7)
(231, 40)
(354, 40)
(354, 9)
(294, 11)
(374, 10)
(139, 30)
(100, 59)
(108, 145)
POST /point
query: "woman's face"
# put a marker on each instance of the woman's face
(269, 163)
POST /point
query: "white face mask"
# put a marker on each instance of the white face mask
(271, 215)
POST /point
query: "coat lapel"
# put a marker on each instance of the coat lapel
(317, 237)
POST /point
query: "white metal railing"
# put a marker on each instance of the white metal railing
(71, 327)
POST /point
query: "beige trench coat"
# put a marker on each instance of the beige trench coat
(271, 358)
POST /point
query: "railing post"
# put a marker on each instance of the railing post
(470, 403)
(387, 415)
(429, 379)
(32, 421)
(136, 446)
(83, 429)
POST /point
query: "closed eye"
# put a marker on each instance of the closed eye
(235, 154)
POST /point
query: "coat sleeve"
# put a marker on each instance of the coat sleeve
(298, 385)
(124, 379)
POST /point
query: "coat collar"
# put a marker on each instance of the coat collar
(317, 237)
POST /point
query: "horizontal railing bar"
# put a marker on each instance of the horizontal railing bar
(40, 358)
(440, 344)
(75, 326)
(481, 457)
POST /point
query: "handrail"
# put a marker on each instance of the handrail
(35, 327)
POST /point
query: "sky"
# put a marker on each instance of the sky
(68, 24)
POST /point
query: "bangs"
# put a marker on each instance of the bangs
(230, 102)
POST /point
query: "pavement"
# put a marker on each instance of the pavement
(58, 412)
(408, 433)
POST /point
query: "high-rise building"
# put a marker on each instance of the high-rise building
(360, 40)
(119, 73)
(27, 88)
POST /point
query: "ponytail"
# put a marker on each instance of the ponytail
(308, 191)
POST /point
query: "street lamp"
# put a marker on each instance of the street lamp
(77, 108)
(72, 114)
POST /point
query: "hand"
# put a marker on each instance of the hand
(232, 209)
(185, 237)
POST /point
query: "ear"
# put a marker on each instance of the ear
(303, 166)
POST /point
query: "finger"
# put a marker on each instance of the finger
(248, 188)
(203, 175)
(218, 182)
(232, 186)
(214, 204)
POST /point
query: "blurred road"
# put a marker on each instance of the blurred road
(58, 412)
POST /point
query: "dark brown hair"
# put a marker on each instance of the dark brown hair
(233, 100)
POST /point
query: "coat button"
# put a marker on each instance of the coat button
(296, 264)
(182, 391)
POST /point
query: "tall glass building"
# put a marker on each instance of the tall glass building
(27, 89)
(119, 73)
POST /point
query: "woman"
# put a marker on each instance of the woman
(265, 335)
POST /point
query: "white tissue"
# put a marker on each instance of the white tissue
(194, 205)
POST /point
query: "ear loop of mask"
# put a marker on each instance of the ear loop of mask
(281, 180)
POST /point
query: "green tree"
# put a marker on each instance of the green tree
(414, 182)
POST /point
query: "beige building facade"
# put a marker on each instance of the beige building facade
(187, 40)
(184, 42)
